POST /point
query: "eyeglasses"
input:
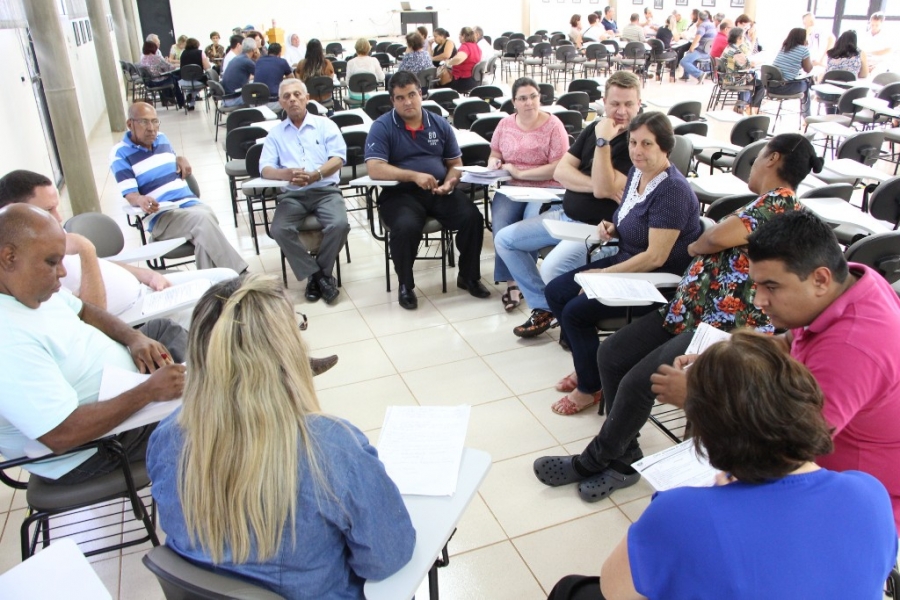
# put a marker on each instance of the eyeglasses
(532, 97)
(146, 122)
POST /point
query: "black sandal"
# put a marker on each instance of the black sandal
(508, 303)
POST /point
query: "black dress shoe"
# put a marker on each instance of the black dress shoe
(313, 293)
(329, 289)
(408, 299)
(474, 287)
(320, 365)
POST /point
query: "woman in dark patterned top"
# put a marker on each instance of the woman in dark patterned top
(658, 218)
(715, 289)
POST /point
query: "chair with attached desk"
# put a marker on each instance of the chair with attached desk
(884, 203)
(255, 94)
(360, 83)
(346, 119)
(548, 94)
(773, 80)
(634, 57)
(844, 191)
(446, 254)
(688, 110)
(322, 87)
(740, 171)
(564, 65)
(183, 253)
(132, 78)
(335, 49)
(746, 131)
(598, 59)
(379, 104)
(488, 93)
(513, 56)
(354, 167)
(477, 155)
(726, 205)
(662, 58)
(890, 93)
(863, 147)
(576, 101)
(541, 55)
(695, 127)
(880, 251)
(682, 154)
(443, 97)
(843, 112)
(237, 142)
(183, 580)
(92, 503)
(466, 112)
(217, 92)
(427, 77)
(572, 120)
(487, 123)
(591, 87)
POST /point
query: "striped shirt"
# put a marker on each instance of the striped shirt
(149, 172)
(790, 62)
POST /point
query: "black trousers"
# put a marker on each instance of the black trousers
(404, 210)
(626, 361)
(576, 587)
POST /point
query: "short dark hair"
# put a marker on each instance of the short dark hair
(734, 35)
(235, 40)
(149, 48)
(745, 18)
(192, 44)
(402, 79)
(755, 412)
(524, 82)
(441, 32)
(415, 41)
(625, 80)
(800, 240)
(798, 157)
(574, 20)
(659, 125)
(593, 18)
(275, 48)
(635, 17)
(19, 185)
(606, 9)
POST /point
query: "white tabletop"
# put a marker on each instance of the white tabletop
(432, 103)
(833, 129)
(369, 182)
(725, 184)
(659, 280)
(261, 183)
(464, 137)
(553, 108)
(878, 106)
(267, 125)
(725, 116)
(365, 127)
(267, 112)
(531, 194)
(850, 168)
(701, 142)
(148, 251)
(572, 232)
(675, 121)
(828, 89)
(58, 571)
(464, 99)
(838, 211)
(434, 519)
(358, 111)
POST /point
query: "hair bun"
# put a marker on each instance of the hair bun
(816, 163)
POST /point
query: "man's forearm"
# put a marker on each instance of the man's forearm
(90, 421)
(603, 175)
(113, 327)
(331, 166)
(92, 290)
(572, 179)
(278, 174)
(382, 171)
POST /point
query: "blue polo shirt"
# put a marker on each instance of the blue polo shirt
(149, 172)
(271, 70)
(307, 147)
(423, 151)
(609, 25)
(238, 73)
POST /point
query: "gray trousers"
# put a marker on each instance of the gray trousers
(200, 226)
(327, 205)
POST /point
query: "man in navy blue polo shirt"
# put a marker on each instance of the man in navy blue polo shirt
(419, 150)
(609, 19)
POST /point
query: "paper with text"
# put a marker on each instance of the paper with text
(421, 447)
(678, 466)
(704, 337)
(177, 296)
(115, 381)
(600, 286)
(172, 205)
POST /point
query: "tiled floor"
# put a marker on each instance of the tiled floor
(518, 537)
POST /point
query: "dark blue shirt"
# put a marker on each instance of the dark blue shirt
(238, 73)
(271, 70)
(609, 25)
(423, 151)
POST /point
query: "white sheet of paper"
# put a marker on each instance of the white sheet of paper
(484, 171)
(704, 337)
(116, 381)
(517, 192)
(164, 206)
(421, 447)
(175, 296)
(602, 286)
(678, 466)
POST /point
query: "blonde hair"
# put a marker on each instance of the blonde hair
(248, 392)
(363, 47)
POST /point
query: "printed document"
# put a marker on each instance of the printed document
(600, 286)
(678, 466)
(177, 296)
(704, 337)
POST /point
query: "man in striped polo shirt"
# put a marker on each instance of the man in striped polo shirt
(150, 176)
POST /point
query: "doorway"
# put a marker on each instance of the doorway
(37, 87)
(156, 17)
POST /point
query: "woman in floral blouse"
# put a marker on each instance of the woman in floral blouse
(715, 289)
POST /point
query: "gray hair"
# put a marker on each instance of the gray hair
(479, 31)
(248, 45)
(286, 82)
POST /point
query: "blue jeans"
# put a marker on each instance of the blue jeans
(687, 63)
(516, 245)
(505, 212)
(797, 86)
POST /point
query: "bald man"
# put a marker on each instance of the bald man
(54, 350)
(150, 176)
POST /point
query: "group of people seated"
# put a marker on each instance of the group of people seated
(798, 409)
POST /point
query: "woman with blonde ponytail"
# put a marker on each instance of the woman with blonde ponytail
(251, 478)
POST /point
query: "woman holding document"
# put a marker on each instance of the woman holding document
(251, 478)
(715, 289)
(658, 218)
(528, 144)
(775, 525)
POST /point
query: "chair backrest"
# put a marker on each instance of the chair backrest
(346, 119)
(635, 50)
(839, 75)
(191, 72)
(383, 58)
(243, 117)
(844, 191)
(515, 48)
(556, 38)
(579, 101)
(183, 580)
(845, 102)
(478, 72)
(485, 125)
(542, 50)
(238, 141)
(572, 120)
(427, 77)
(255, 94)
(565, 54)
(356, 147)
(396, 50)
(490, 66)
(517, 36)
(657, 49)
(682, 154)
(745, 159)
(507, 107)
(383, 46)
(884, 203)
(212, 75)
(191, 181)
(464, 115)
(589, 86)
(698, 127)
(596, 52)
(476, 155)
(251, 160)
(722, 207)
(541, 32)
(612, 46)
(215, 89)
(100, 229)
(362, 83)
(321, 86)
(863, 147)
(377, 105)
(548, 94)
(891, 93)
(750, 129)
(500, 43)
(334, 48)
(686, 111)
(565, 43)
(486, 92)
(340, 69)
(880, 251)
(771, 76)
(445, 98)
(886, 78)
(534, 40)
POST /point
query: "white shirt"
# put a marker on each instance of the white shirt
(487, 50)
(122, 288)
(228, 56)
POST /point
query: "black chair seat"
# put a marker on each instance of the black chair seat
(43, 496)
(236, 168)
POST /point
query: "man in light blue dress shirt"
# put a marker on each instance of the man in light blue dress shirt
(307, 151)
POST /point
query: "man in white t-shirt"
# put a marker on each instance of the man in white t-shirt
(818, 40)
(487, 51)
(54, 350)
(236, 43)
(113, 287)
(876, 43)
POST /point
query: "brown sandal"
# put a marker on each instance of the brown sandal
(509, 304)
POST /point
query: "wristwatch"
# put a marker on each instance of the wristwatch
(602, 142)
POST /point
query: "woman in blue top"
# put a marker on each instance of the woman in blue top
(794, 56)
(252, 479)
(658, 218)
(775, 525)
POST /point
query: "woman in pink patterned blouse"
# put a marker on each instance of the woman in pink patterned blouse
(528, 144)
